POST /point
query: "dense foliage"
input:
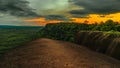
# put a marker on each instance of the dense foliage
(12, 37)
(108, 26)
(67, 31)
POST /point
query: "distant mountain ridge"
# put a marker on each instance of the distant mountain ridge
(12, 26)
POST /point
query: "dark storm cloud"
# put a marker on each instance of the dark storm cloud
(82, 12)
(97, 6)
(80, 16)
(16, 7)
(56, 17)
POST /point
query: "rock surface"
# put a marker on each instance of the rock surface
(47, 53)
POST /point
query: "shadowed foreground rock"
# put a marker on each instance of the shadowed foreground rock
(47, 53)
(106, 43)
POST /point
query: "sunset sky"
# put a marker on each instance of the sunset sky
(41, 12)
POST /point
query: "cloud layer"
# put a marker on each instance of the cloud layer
(97, 6)
(49, 6)
(56, 17)
(16, 8)
(56, 9)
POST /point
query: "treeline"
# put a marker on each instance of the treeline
(63, 31)
(66, 31)
(10, 38)
(109, 25)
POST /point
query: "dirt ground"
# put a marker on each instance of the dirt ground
(47, 53)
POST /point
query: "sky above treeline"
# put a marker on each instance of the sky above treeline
(40, 12)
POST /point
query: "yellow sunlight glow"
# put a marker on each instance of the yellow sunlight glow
(93, 18)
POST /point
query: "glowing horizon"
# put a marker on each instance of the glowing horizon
(93, 18)
(42, 21)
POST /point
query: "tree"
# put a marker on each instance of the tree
(110, 23)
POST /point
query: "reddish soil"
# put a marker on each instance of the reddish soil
(47, 53)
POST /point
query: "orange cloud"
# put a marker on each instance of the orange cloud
(42, 21)
(93, 18)
(96, 18)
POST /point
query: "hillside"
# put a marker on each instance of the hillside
(47, 53)
(12, 37)
(105, 40)
(20, 49)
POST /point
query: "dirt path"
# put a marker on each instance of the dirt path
(47, 53)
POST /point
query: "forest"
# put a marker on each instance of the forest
(66, 31)
(13, 37)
